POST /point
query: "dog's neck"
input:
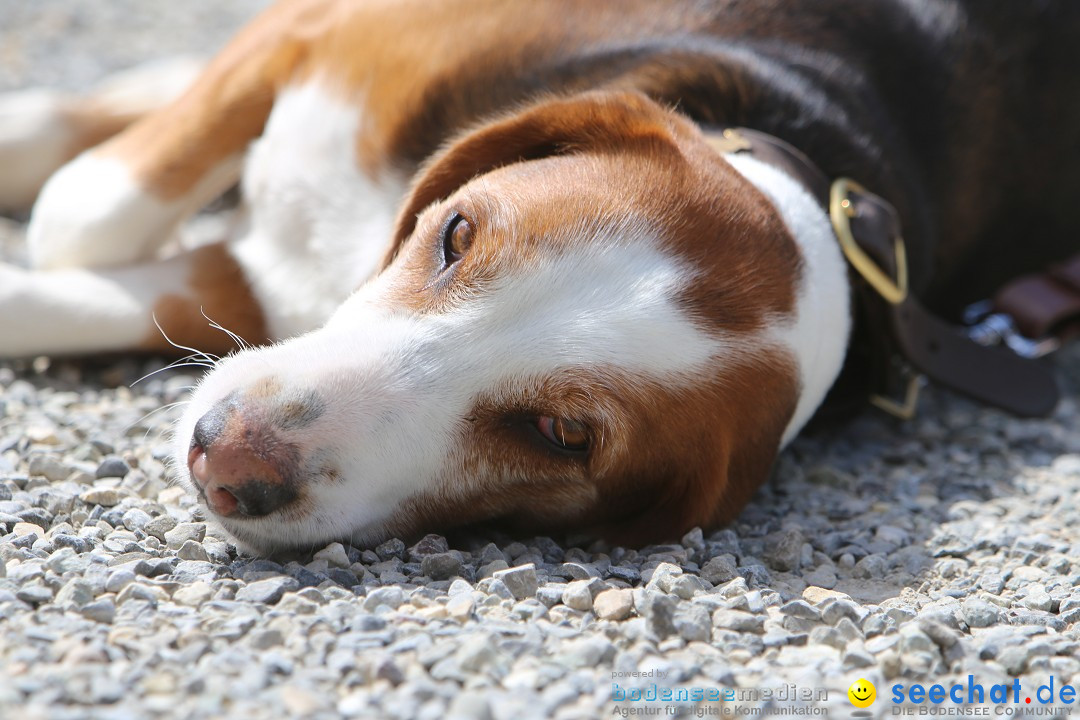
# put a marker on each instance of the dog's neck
(818, 334)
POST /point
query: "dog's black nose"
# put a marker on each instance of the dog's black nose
(240, 464)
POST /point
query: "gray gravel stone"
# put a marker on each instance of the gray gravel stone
(112, 467)
(335, 556)
(185, 532)
(391, 596)
(49, 467)
(693, 623)
(857, 658)
(118, 579)
(157, 527)
(75, 593)
(192, 550)
(801, 609)
(105, 497)
(267, 591)
(520, 580)
(979, 614)
(34, 594)
(135, 519)
(613, 604)
(442, 566)
(428, 545)
(832, 612)
(823, 577)
(578, 596)
(719, 570)
(65, 560)
(738, 621)
(784, 550)
(1038, 599)
(659, 611)
(102, 611)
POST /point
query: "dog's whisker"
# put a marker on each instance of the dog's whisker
(236, 338)
(210, 357)
(183, 362)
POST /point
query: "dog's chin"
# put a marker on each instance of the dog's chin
(252, 538)
(271, 536)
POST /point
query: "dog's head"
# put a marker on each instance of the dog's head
(584, 321)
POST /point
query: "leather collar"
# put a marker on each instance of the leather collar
(906, 340)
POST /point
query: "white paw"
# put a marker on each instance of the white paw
(92, 213)
(34, 141)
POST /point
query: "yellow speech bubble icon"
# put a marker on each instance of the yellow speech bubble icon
(862, 693)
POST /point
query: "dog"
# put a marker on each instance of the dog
(555, 264)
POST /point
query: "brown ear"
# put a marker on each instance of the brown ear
(594, 121)
(703, 472)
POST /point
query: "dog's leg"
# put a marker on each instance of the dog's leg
(40, 130)
(119, 203)
(83, 311)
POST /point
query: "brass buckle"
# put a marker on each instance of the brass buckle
(841, 210)
(902, 409)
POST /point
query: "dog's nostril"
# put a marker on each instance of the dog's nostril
(222, 501)
(249, 496)
(256, 499)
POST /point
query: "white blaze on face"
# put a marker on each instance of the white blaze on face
(397, 385)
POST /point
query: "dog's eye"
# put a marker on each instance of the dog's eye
(457, 237)
(564, 433)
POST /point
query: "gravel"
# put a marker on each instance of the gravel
(925, 551)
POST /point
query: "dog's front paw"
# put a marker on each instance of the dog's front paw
(92, 213)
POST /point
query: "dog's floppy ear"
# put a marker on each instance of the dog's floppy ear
(700, 459)
(593, 121)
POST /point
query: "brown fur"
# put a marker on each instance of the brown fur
(218, 289)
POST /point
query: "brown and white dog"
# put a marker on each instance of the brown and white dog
(502, 270)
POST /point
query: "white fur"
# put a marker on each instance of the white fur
(398, 387)
(93, 213)
(320, 224)
(76, 311)
(818, 334)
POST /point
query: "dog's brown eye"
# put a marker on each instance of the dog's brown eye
(564, 433)
(457, 237)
